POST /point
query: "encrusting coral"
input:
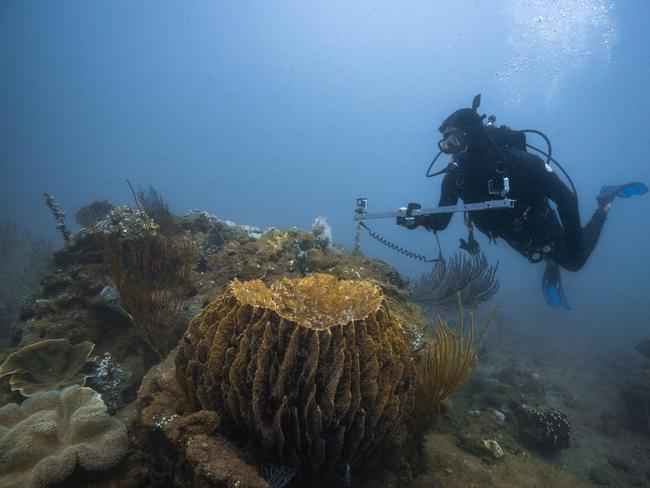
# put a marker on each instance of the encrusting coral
(546, 429)
(48, 365)
(45, 438)
(317, 370)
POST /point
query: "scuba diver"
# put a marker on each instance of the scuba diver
(490, 162)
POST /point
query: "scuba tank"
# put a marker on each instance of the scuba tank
(504, 137)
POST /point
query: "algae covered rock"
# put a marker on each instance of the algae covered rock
(46, 437)
(316, 370)
(184, 450)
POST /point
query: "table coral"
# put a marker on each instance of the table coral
(317, 370)
(47, 436)
(47, 365)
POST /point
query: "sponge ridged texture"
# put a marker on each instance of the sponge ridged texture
(316, 369)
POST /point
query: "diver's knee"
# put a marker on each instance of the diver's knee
(573, 265)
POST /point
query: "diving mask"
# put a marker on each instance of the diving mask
(454, 141)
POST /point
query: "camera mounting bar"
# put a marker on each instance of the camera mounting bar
(413, 210)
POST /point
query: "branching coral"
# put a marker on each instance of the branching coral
(316, 370)
(45, 438)
(473, 277)
(48, 364)
(445, 364)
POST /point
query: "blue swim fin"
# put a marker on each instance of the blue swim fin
(609, 192)
(552, 287)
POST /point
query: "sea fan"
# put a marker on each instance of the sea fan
(473, 278)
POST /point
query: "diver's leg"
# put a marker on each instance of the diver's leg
(569, 250)
(591, 233)
(573, 251)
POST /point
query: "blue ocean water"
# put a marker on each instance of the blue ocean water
(272, 114)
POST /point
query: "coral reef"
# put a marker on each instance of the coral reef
(77, 300)
(93, 212)
(472, 277)
(545, 429)
(152, 275)
(185, 450)
(176, 446)
(108, 380)
(46, 365)
(126, 222)
(316, 370)
(322, 233)
(45, 438)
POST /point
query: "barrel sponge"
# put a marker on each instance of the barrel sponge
(43, 439)
(316, 370)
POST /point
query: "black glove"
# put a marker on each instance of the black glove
(408, 221)
(471, 246)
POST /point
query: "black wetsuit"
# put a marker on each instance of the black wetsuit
(532, 227)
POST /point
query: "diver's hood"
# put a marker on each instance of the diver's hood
(465, 119)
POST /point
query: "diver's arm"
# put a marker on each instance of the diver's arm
(448, 196)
